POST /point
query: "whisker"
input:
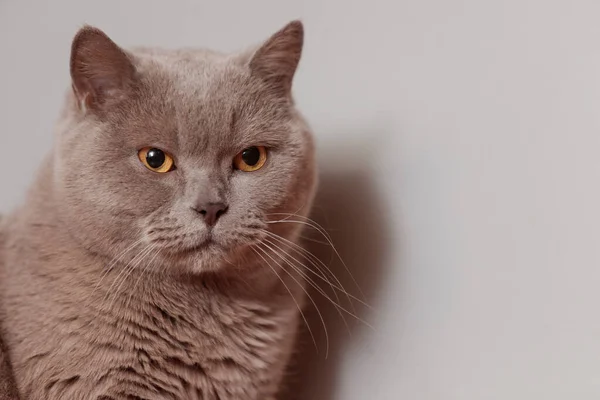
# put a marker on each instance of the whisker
(133, 267)
(295, 213)
(322, 277)
(141, 275)
(311, 281)
(311, 300)
(321, 230)
(314, 223)
(127, 271)
(110, 266)
(308, 278)
(290, 292)
(313, 240)
(308, 256)
(313, 260)
(122, 271)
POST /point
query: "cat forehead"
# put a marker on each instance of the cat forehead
(189, 78)
(198, 95)
(189, 71)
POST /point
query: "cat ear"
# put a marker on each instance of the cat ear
(101, 71)
(275, 62)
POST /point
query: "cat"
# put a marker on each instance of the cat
(144, 262)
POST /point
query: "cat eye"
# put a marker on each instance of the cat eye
(156, 160)
(250, 159)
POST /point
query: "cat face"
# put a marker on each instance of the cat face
(186, 158)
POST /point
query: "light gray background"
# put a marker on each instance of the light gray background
(459, 141)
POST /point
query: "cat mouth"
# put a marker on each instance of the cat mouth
(208, 244)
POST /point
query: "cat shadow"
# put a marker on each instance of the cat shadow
(348, 207)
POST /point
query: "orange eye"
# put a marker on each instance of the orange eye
(156, 160)
(250, 159)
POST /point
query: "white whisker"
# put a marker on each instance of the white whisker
(127, 271)
(109, 268)
(148, 264)
(313, 260)
(311, 281)
(307, 278)
(321, 230)
(290, 292)
(311, 300)
(309, 239)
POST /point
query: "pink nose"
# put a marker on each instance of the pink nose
(211, 212)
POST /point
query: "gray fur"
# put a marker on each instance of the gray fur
(104, 290)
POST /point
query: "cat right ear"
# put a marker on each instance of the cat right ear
(102, 73)
(275, 62)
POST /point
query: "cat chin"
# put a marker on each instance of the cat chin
(208, 257)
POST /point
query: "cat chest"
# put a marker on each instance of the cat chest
(166, 357)
(212, 359)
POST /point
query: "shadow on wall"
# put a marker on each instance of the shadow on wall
(348, 208)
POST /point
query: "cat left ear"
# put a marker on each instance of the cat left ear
(101, 71)
(276, 60)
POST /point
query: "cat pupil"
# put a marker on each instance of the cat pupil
(251, 156)
(155, 158)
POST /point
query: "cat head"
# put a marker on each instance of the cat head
(183, 158)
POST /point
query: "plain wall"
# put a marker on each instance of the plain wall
(459, 142)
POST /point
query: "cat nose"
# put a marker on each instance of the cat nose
(211, 212)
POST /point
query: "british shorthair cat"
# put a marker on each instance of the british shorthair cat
(142, 263)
